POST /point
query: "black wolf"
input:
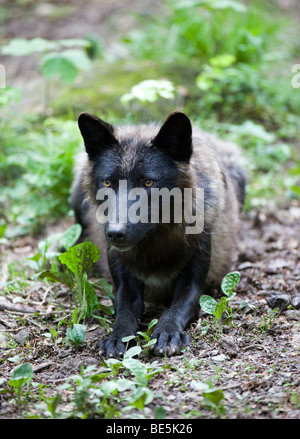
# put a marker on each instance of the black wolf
(151, 261)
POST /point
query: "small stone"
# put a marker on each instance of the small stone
(295, 302)
(220, 357)
(198, 385)
(292, 314)
(279, 300)
(22, 336)
(229, 345)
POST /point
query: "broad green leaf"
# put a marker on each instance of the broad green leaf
(90, 297)
(229, 282)
(213, 395)
(220, 308)
(108, 387)
(152, 323)
(128, 338)
(21, 375)
(78, 58)
(106, 309)
(150, 342)
(124, 384)
(58, 65)
(137, 368)
(80, 257)
(208, 304)
(150, 90)
(76, 335)
(70, 236)
(106, 288)
(57, 276)
(66, 64)
(135, 350)
(141, 397)
(22, 47)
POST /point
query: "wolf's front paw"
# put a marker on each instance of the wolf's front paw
(169, 342)
(112, 347)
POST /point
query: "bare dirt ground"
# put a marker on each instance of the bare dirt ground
(255, 360)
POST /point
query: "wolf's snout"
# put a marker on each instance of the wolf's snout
(116, 234)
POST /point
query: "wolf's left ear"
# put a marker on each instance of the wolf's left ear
(96, 134)
(175, 137)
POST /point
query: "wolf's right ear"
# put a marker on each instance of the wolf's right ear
(175, 137)
(96, 134)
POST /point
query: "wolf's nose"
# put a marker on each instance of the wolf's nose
(116, 234)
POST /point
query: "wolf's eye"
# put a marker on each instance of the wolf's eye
(148, 182)
(107, 182)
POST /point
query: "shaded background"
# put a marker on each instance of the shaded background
(227, 64)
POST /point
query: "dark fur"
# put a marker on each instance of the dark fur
(159, 261)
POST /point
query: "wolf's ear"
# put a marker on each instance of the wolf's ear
(175, 137)
(96, 134)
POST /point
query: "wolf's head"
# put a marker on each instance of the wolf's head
(128, 166)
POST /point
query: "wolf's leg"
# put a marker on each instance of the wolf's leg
(129, 306)
(184, 308)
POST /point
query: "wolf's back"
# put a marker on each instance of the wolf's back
(220, 165)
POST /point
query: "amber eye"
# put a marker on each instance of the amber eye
(107, 182)
(148, 182)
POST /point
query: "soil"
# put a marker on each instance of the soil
(254, 360)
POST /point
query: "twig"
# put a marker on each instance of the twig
(42, 366)
(6, 306)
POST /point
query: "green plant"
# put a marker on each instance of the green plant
(53, 403)
(209, 305)
(52, 334)
(78, 260)
(36, 164)
(150, 90)
(266, 322)
(192, 30)
(76, 334)
(50, 248)
(56, 57)
(140, 336)
(212, 397)
(106, 392)
(147, 335)
(21, 376)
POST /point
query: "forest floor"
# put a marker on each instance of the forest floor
(255, 360)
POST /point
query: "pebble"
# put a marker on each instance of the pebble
(295, 302)
(22, 336)
(230, 345)
(220, 357)
(279, 300)
(292, 314)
